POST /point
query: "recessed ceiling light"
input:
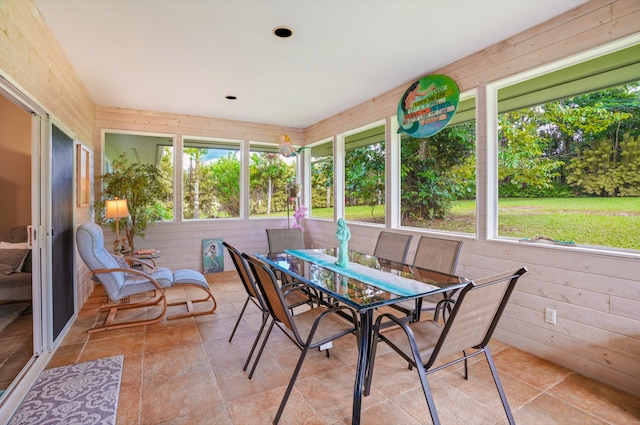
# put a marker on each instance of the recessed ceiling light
(230, 97)
(282, 32)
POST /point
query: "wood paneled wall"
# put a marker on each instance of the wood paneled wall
(32, 58)
(596, 294)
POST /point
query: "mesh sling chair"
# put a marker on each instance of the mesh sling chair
(307, 330)
(281, 239)
(434, 254)
(470, 326)
(392, 246)
(293, 298)
(122, 283)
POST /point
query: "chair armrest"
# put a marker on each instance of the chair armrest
(129, 272)
(296, 286)
(441, 306)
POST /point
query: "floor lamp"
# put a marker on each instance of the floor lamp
(117, 208)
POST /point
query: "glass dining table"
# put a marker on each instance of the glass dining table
(365, 284)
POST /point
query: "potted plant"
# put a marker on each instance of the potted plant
(293, 187)
(141, 185)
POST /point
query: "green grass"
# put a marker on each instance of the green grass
(612, 222)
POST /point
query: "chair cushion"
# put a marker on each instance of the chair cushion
(192, 277)
(12, 260)
(90, 243)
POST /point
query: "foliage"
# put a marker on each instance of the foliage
(322, 183)
(604, 171)
(521, 159)
(265, 170)
(218, 188)
(538, 144)
(142, 185)
(192, 178)
(224, 175)
(429, 183)
(364, 182)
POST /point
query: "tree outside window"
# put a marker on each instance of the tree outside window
(365, 176)
(322, 180)
(211, 179)
(270, 180)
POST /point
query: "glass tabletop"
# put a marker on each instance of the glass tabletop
(368, 282)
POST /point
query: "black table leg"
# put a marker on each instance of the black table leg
(364, 347)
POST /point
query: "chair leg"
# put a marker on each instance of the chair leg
(264, 342)
(496, 380)
(239, 317)
(114, 308)
(265, 318)
(466, 365)
(427, 393)
(189, 303)
(283, 403)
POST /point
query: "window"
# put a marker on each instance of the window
(365, 175)
(437, 175)
(569, 155)
(129, 149)
(210, 179)
(273, 185)
(322, 180)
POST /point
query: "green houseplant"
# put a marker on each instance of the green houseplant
(142, 185)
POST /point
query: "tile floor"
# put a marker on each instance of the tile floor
(185, 371)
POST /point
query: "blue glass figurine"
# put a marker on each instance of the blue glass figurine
(343, 234)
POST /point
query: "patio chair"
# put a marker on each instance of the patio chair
(281, 239)
(123, 283)
(293, 298)
(434, 254)
(471, 324)
(307, 330)
(392, 246)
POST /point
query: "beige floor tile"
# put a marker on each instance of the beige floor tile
(600, 400)
(537, 372)
(186, 395)
(552, 411)
(261, 409)
(481, 387)
(452, 405)
(176, 362)
(174, 336)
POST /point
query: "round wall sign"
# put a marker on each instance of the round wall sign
(427, 106)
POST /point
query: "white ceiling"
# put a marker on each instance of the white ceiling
(185, 56)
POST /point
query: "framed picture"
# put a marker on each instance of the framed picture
(83, 175)
(212, 255)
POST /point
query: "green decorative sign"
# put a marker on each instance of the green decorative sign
(427, 106)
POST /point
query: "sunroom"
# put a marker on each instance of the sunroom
(585, 278)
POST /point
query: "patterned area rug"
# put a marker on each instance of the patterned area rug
(83, 393)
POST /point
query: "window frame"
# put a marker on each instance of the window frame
(492, 102)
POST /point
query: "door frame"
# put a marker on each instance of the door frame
(43, 345)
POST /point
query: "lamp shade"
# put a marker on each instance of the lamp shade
(117, 208)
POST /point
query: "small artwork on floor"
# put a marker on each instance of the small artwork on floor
(212, 255)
